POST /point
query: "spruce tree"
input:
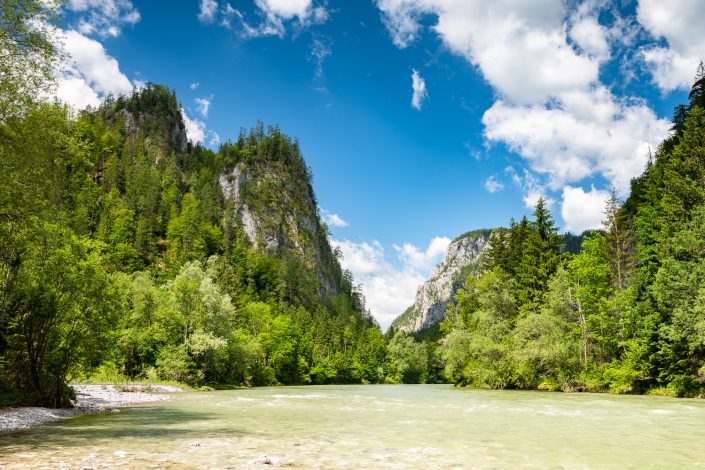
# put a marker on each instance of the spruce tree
(697, 92)
(541, 258)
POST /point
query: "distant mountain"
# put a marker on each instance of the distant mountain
(432, 297)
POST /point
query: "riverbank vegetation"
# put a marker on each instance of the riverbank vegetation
(124, 252)
(625, 315)
(121, 252)
(127, 251)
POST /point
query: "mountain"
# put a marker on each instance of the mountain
(267, 189)
(128, 252)
(462, 258)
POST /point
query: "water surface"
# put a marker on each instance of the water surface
(375, 426)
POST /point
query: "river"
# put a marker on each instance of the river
(374, 426)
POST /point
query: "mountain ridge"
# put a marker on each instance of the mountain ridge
(432, 297)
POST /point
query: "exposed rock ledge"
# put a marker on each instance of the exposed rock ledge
(89, 399)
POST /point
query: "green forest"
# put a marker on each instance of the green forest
(625, 315)
(124, 256)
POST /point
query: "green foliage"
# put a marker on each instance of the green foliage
(408, 360)
(122, 257)
(27, 56)
(625, 313)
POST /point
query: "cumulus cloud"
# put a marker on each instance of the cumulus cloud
(194, 85)
(90, 73)
(104, 17)
(680, 23)
(390, 287)
(416, 258)
(418, 86)
(589, 35)
(197, 132)
(582, 135)
(543, 59)
(203, 105)
(493, 185)
(195, 129)
(582, 210)
(520, 47)
(333, 219)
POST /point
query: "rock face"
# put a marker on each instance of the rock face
(278, 215)
(432, 298)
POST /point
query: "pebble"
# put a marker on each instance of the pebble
(264, 460)
(89, 399)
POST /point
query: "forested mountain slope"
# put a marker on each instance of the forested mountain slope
(432, 297)
(127, 250)
(463, 257)
(625, 315)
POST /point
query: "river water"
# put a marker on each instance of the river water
(374, 426)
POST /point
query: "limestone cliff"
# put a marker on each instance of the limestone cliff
(267, 187)
(429, 308)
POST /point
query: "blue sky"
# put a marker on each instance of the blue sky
(421, 119)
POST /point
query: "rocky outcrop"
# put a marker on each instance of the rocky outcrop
(432, 298)
(289, 223)
(231, 183)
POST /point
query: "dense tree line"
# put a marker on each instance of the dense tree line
(119, 252)
(123, 255)
(626, 314)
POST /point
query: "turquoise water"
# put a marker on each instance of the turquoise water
(374, 426)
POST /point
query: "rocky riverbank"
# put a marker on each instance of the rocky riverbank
(89, 399)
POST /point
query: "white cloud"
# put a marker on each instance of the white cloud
(543, 59)
(492, 184)
(519, 46)
(76, 92)
(389, 289)
(320, 49)
(203, 105)
(207, 10)
(670, 70)
(582, 210)
(680, 23)
(197, 132)
(285, 9)
(104, 17)
(584, 134)
(276, 14)
(195, 129)
(590, 36)
(418, 85)
(333, 219)
(412, 256)
(530, 185)
(90, 73)
(194, 85)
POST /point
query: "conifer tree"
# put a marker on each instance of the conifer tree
(541, 257)
(619, 237)
(697, 92)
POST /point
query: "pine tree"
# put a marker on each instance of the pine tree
(518, 235)
(697, 92)
(541, 258)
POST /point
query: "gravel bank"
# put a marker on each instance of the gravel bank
(89, 399)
